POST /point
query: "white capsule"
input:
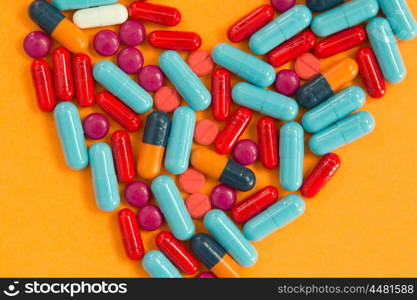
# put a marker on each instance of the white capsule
(100, 16)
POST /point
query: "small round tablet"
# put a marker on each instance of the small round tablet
(130, 60)
(307, 65)
(106, 42)
(137, 193)
(192, 181)
(132, 33)
(223, 197)
(287, 82)
(198, 205)
(205, 132)
(200, 62)
(151, 78)
(150, 217)
(167, 99)
(246, 152)
(37, 44)
(206, 275)
(96, 126)
(282, 5)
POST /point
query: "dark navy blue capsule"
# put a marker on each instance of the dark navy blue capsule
(320, 5)
(157, 129)
(315, 91)
(238, 177)
(45, 15)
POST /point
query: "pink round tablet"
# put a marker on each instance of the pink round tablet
(192, 181)
(223, 197)
(198, 205)
(287, 82)
(150, 217)
(200, 62)
(167, 99)
(206, 275)
(205, 132)
(307, 65)
(246, 152)
(137, 193)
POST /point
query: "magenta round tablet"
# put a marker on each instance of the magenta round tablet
(223, 197)
(130, 60)
(246, 152)
(37, 44)
(150, 217)
(132, 33)
(137, 193)
(96, 126)
(206, 275)
(282, 5)
(151, 78)
(287, 82)
(106, 42)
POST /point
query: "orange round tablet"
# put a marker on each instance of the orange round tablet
(198, 205)
(205, 132)
(200, 62)
(307, 65)
(167, 99)
(192, 181)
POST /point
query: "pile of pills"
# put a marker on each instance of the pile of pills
(170, 129)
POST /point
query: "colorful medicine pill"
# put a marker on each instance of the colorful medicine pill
(386, 50)
(213, 256)
(370, 72)
(342, 133)
(137, 193)
(96, 126)
(246, 152)
(344, 16)
(268, 142)
(175, 40)
(307, 66)
(320, 5)
(100, 16)
(191, 181)
(106, 42)
(130, 233)
(206, 132)
(83, 79)
(206, 275)
(266, 102)
(79, 4)
(280, 29)
(200, 62)
(400, 18)
(223, 197)
(44, 84)
(37, 44)
(334, 109)
(150, 217)
(229, 236)
(274, 217)
(62, 71)
(122, 86)
(185, 80)
(54, 23)
(151, 78)
(221, 94)
(244, 65)
(158, 14)
(226, 171)
(157, 265)
(123, 156)
(71, 135)
(198, 205)
(105, 184)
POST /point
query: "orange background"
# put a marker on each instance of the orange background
(362, 224)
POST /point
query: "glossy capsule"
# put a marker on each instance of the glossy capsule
(123, 156)
(341, 41)
(268, 142)
(400, 18)
(173, 208)
(322, 86)
(83, 79)
(274, 217)
(342, 133)
(219, 167)
(185, 80)
(250, 23)
(320, 5)
(244, 65)
(321, 174)
(71, 135)
(158, 14)
(62, 71)
(293, 48)
(176, 252)
(229, 236)
(44, 85)
(254, 204)
(213, 256)
(370, 72)
(157, 265)
(154, 142)
(175, 40)
(344, 16)
(266, 102)
(54, 23)
(280, 29)
(122, 114)
(100, 16)
(130, 233)
(79, 4)
(221, 94)
(232, 130)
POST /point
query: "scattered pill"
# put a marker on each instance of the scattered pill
(268, 142)
(37, 44)
(130, 60)
(206, 132)
(246, 152)
(96, 126)
(83, 79)
(200, 62)
(158, 265)
(175, 40)
(137, 193)
(370, 72)
(151, 78)
(307, 65)
(400, 18)
(206, 275)
(154, 13)
(198, 205)
(106, 42)
(287, 82)
(167, 99)
(62, 71)
(44, 84)
(123, 156)
(223, 197)
(192, 181)
(79, 4)
(149, 217)
(130, 233)
(221, 94)
(100, 16)
(132, 33)
(282, 5)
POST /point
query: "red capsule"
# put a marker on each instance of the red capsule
(123, 156)
(268, 142)
(154, 13)
(370, 72)
(254, 204)
(232, 130)
(176, 252)
(250, 23)
(220, 93)
(175, 40)
(83, 79)
(62, 71)
(293, 48)
(129, 229)
(44, 86)
(321, 174)
(122, 114)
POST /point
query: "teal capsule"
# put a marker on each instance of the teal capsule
(122, 86)
(280, 29)
(71, 135)
(79, 4)
(180, 141)
(244, 65)
(274, 217)
(173, 208)
(400, 18)
(291, 156)
(386, 50)
(106, 188)
(230, 237)
(185, 80)
(334, 109)
(264, 101)
(157, 265)
(342, 133)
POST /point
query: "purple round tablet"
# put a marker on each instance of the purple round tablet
(37, 44)
(246, 152)
(130, 60)
(150, 217)
(287, 82)
(206, 275)
(106, 42)
(151, 78)
(132, 33)
(282, 5)
(137, 193)
(96, 126)
(223, 197)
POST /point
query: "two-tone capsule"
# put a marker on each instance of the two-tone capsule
(157, 265)
(83, 79)
(175, 40)
(79, 4)
(123, 156)
(62, 72)
(154, 13)
(129, 230)
(320, 5)
(370, 72)
(400, 18)
(44, 84)
(268, 142)
(100, 16)
(221, 94)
